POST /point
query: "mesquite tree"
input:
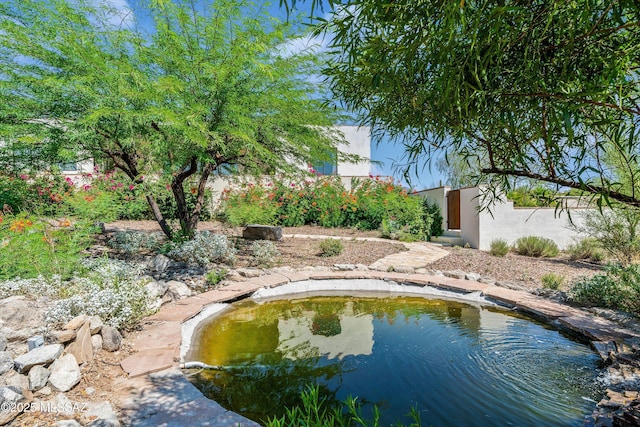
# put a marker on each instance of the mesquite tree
(176, 89)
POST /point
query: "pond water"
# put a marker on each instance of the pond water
(457, 363)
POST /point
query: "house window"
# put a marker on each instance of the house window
(328, 167)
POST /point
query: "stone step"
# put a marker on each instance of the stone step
(448, 240)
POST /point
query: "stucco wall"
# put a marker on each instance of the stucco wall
(359, 142)
(438, 196)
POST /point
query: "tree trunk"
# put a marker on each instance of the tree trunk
(158, 216)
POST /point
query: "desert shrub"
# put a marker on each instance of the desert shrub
(617, 288)
(616, 230)
(213, 277)
(536, 247)
(135, 241)
(431, 211)
(331, 247)
(31, 247)
(552, 281)
(41, 194)
(588, 248)
(204, 249)
(324, 201)
(499, 247)
(264, 252)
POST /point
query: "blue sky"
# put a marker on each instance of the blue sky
(382, 150)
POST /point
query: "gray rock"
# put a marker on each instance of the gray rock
(361, 267)
(16, 381)
(178, 290)
(488, 280)
(472, 276)
(10, 398)
(160, 263)
(6, 362)
(102, 411)
(65, 373)
(38, 377)
(344, 267)
(38, 356)
(404, 269)
(513, 285)
(44, 391)
(82, 347)
(455, 274)
(95, 324)
(111, 338)
(156, 289)
(21, 334)
(101, 422)
(262, 232)
(62, 337)
(250, 272)
(96, 342)
(3, 342)
(76, 323)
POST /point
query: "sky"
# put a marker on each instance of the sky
(383, 151)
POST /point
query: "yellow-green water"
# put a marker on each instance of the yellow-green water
(459, 364)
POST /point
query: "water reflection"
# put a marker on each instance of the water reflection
(461, 364)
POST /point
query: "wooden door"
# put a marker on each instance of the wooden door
(453, 210)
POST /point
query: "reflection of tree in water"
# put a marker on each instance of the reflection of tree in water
(265, 388)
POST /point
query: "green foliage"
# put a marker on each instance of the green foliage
(432, 213)
(215, 276)
(31, 247)
(499, 248)
(536, 247)
(265, 253)
(472, 82)
(198, 91)
(618, 288)
(531, 197)
(331, 247)
(317, 411)
(588, 248)
(616, 231)
(324, 201)
(552, 281)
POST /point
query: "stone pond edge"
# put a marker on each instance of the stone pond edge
(160, 352)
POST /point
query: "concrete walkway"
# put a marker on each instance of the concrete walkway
(157, 394)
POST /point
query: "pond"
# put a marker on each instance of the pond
(457, 362)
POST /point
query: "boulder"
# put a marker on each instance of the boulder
(38, 356)
(160, 263)
(262, 232)
(11, 399)
(3, 342)
(111, 338)
(82, 347)
(38, 377)
(96, 342)
(62, 337)
(156, 289)
(95, 324)
(76, 323)
(6, 362)
(16, 381)
(250, 272)
(455, 274)
(472, 276)
(178, 290)
(65, 373)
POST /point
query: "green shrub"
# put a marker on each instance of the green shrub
(535, 246)
(214, 277)
(204, 249)
(316, 411)
(616, 231)
(588, 248)
(552, 281)
(31, 247)
(331, 247)
(431, 211)
(499, 247)
(617, 288)
(265, 253)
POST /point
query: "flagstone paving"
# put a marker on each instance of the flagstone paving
(149, 399)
